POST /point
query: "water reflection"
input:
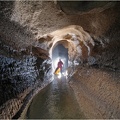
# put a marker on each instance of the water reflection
(56, 101)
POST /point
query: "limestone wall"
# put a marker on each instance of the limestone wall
(21, 77)
(97, 92)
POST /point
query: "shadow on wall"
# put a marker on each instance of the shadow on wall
(110, 47)
(6, 8)
(74, 7)
(14, 35)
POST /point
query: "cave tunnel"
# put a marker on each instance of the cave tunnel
(84, 34)
(60, 52)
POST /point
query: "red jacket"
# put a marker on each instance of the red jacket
(60, 63)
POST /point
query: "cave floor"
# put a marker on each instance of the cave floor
(56, 101)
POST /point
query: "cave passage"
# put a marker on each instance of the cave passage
(56, 101)
(60, 52)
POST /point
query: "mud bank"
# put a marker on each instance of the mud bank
(97, 92)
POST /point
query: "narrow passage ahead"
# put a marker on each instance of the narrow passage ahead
(56, 101)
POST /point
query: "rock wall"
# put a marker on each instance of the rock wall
(99, 19)
(22, 75)
(22, 72)
(97, 92)
(23, 63)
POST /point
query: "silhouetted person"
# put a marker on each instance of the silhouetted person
(60, 65)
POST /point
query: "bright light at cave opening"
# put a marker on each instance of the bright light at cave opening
(54, 66)
(59, 75)
(64, 74)
(55, 62)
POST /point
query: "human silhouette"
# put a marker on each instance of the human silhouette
(59, 67)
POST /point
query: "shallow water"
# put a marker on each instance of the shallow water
(56, 101)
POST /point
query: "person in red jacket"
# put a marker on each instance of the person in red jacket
(60, 65)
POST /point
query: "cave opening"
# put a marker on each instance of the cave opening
(60, 52)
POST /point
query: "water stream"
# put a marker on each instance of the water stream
(56, 101)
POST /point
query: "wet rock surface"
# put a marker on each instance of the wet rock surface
(56, 101)
(19, 76)
(25, 44)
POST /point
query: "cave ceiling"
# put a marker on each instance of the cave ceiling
(75, 24)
